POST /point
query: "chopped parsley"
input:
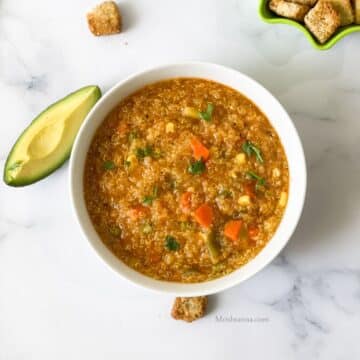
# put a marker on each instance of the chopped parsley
(249, 148)
(148, 200)
(207, 115)
(142, 153)
(259, 180)
(197, 167)
(148, 150)
(171, 243)
(109, 165)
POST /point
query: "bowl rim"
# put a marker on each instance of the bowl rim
(184, 289)
(267, 16)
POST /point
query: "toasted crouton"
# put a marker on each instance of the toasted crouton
(289, 9)
(304, 2)
(189, 308)
(357, 11)
(105, 19)
(322, 20)
(344, 9)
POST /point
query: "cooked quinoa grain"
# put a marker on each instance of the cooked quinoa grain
(193, 200)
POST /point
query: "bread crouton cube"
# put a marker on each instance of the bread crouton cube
(322, 20)
(189, 308)
(357, 11)
(344, 9)
(289, 10)
(304, 2)
(104, 19)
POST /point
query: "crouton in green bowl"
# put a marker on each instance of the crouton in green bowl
(317, 41)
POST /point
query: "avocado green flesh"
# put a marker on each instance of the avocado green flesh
(46, 143)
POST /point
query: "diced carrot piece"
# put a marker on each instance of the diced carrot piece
(199, 150)
(253, 231)
(138, 211)
(232, 229)
(185, 201)
(249, 189)
(204, 215)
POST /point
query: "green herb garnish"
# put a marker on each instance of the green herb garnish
(249, 148)
(197, 167)
(148, 200)
(142, 153)
(259, 180)
(127, 163)
(207, 115)
(109, 165)
(171, 243)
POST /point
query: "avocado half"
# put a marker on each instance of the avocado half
(46, 143)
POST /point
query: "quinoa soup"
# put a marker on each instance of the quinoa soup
(186, 180)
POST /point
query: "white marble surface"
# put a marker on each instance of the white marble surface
(59, 301)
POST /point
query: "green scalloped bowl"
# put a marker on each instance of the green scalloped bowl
(268, 16)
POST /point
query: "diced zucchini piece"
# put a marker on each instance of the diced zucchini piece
(212, 245)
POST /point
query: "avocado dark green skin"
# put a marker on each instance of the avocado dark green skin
(24, 182)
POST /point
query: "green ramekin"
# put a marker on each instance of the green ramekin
(268, 16)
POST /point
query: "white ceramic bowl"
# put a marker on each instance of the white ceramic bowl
(278, 118)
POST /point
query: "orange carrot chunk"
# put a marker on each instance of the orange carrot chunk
(232, 229)
(204, 215)
(185, 201)
(199, 150)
